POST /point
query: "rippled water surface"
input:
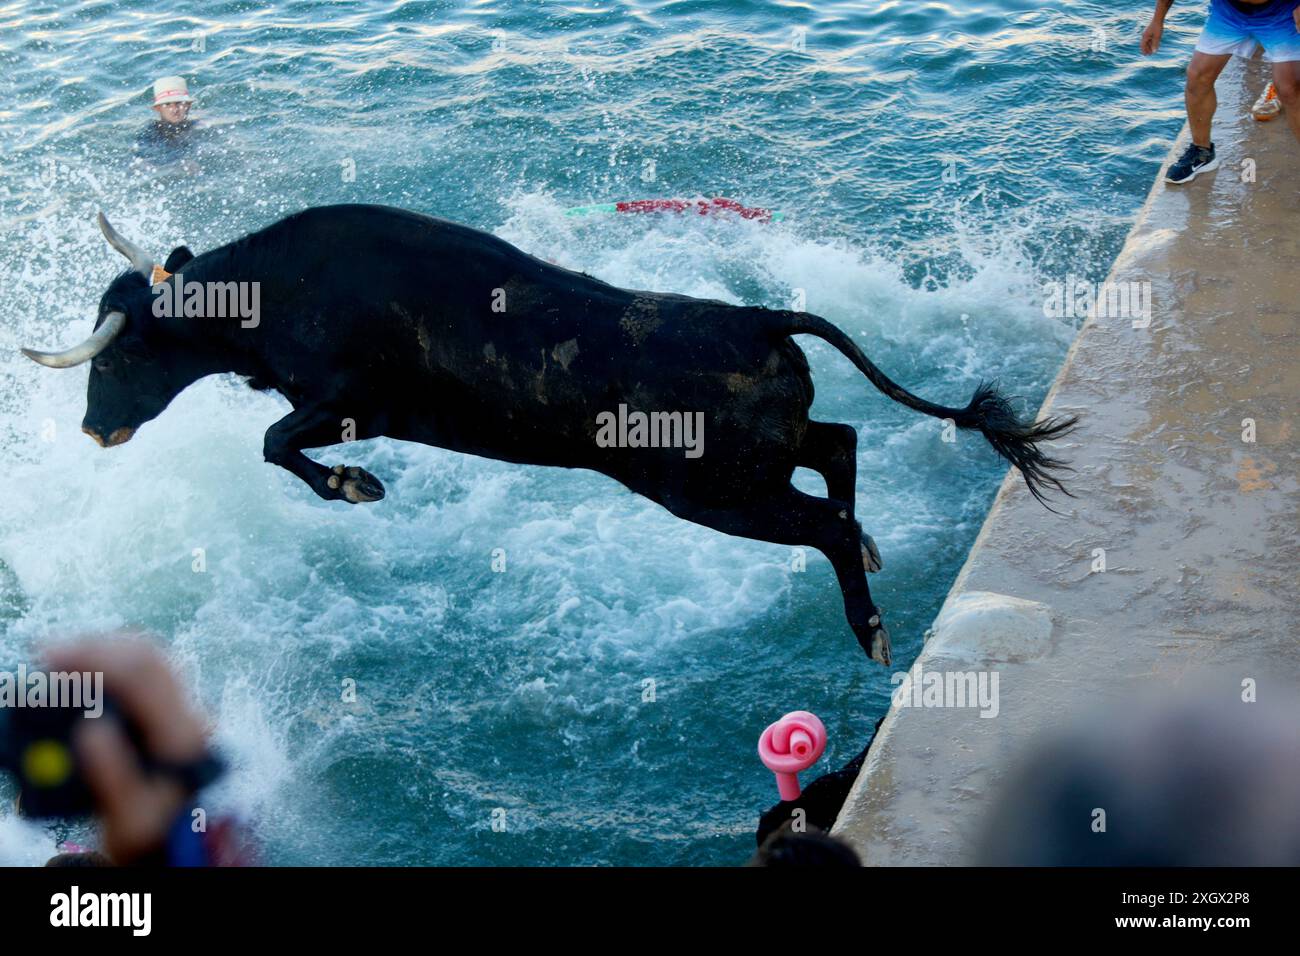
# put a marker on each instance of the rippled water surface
(935, 164)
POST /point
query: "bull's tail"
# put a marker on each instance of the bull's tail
(989, 411)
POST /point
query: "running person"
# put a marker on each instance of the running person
(1234, 28)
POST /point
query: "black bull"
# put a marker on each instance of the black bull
(377, 321)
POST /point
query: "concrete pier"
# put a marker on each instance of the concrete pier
(1180, 551)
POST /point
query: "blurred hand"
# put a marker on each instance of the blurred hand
(136, 808)
(1155, 30)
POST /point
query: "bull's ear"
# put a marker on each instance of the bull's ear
(176, 261)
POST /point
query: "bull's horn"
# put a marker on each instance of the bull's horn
(87, 350)
(141, 261)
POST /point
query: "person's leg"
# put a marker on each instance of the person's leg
(1280, 38)
(1286, 76)
(1201, 100)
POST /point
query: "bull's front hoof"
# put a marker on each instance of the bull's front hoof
(881, 650)
(870, 554)
(355, 484)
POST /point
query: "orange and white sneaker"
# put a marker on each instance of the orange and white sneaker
(1267, 106)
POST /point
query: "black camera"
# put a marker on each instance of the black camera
(36, 747)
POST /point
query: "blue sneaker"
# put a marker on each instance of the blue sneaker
(1195, 160)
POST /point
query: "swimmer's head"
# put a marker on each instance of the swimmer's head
(171, 99)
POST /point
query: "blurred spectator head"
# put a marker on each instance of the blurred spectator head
(1203, 777)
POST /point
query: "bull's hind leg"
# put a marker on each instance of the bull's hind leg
(794, 518)
(832, 450)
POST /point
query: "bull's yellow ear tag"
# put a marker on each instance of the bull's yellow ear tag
(160, 275)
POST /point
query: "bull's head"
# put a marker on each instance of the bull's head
(136, 366)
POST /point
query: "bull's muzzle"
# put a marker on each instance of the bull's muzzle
(119, 436)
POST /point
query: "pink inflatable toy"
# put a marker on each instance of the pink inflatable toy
(793, 743)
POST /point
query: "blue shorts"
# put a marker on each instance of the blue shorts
(1231, 31)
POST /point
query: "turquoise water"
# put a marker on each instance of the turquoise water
(936, 164)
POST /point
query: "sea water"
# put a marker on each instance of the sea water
(594, 697)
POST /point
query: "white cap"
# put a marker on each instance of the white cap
(171, 89)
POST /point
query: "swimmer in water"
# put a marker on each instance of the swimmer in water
(172, 136)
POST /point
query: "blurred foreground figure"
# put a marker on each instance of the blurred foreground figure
(145, 783)
(789, 847)
(1200, 779)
